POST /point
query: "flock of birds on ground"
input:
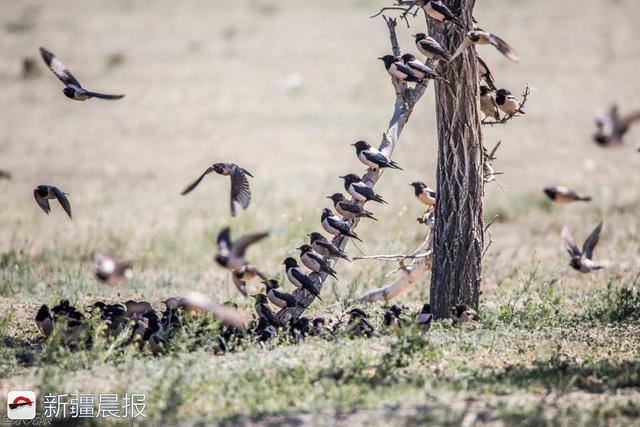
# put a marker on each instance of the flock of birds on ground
(148, 327)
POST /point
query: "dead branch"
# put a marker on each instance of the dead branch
(401, 284)
(507, 117)
(486, 230)
(406, 11)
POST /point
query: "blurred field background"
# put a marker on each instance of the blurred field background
(282, 88)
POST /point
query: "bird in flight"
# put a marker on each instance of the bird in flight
(565, 195)
(231, 255)
(612, 128)
(44, 193)
(479, 37)
(581, 260)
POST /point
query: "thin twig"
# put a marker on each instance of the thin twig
(507, 117)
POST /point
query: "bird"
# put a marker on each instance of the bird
(240, 191)
(561, 194)
(424, 318)
(611, 128)
(321, 245)
(392, 318)
(581, 260)
(422, 71)
(438, 11)
(264, 311)
(372, 157)
(358, 324)
(360, 191)
(349, 209)
(332, 224)
(44, 320)
(230, 254)
(508, 103)
(5, 174)
(396, 69)
(110, 270)
(430, 48)
(72, 88)
(488, 104)
(298, 278)
(315, 262)
(485, 73)
(278, 297)
(464, 314)
(227, 313)
(424, 193)
(241, 276)
(44, 193)
(299, 328)
(479, 37)
(137, 307)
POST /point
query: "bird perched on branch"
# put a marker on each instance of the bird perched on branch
(399, 71)
(336, 226)
(422, 71)
(565, 195)
(44, 193)
(349, 209)
(72, 88)
(321, 245)
(359, 190)
(372, 157)
(110, 270)
(263, 310)
(479, 37)
(438, 11)
(508, 103)
(240, 191)
(488, 104)
(278, 297)
(315, 262)
(424, 193)
(581, 260)
(424, 318)
(463, 314)
(612, 129)
(299, 279)
(430, 48)
(230, 255)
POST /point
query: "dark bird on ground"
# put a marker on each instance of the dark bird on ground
(44, 193)
(508, 103)
(464, 314)
(581, 260)
(392, 318)
(399, 71)
(348, 208)
(110, 270)
(299, 328)
(320, 244)
(315, 262)
(137, 307)
(231, 254)
(430, 48)
(72, 88)
(64, 314)
(5, 174)
(264, 311)
(355, 186)
(484, 73)
(611, 128)
(424, 318)
(299, 279)
(422, 70)
(479, 37)
(44, 321)
(565, 195)
(372, 157)
(424, 193)
(277, 296)
(240, 191)
(438, 11)
(488, 104)
(332, 224)
(358, 324)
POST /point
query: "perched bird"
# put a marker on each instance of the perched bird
(359, 325)
(243, 275)
(299, 279)
(438, 11)
(278, 297)
(485, 73)
(423, 71)
(392, 318)
(44, 320)
(264, 311)
(349, 209)
(359, 190)
(372, 157)
(424, 318)
(488, 104)
(464, 314)
(479, 37)
(424, 193)
(315, 262)
(72, 88)
(44, 193)
(332, 224)
(321, 245)
(240, 191)
(430, 48)
(565, 195)
(231, 253)
(508, 103)
(581, 259)
(611, 128)
(110, 270)
(5, 174)
(396, 69)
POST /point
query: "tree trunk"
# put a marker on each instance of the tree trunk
(458, 242)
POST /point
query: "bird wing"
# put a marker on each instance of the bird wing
(240, 246)
(592, 241)
(365, 190)
(352, 207)
(569, 242)
(444, 10)
(287, 297)
(465, 44)
(42, 202)
(269, 315)
(424, 68)
(405, 70)
(58, 68)
(103, 95)
(488, 77)
(631, 118)
(240, 191)
(195, 183)
(434, 48)
(241, 285)
(62, 198)
(503, 47)
(224, 240)
(376, 157)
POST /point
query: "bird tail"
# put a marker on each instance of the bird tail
(380, 200)
(584, 198)
(354, 236)
(394, 165)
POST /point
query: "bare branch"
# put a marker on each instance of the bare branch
(507, 117)
(398, 286)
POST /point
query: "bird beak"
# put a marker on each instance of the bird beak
(354, 144)
(328, 197)
(300, 248)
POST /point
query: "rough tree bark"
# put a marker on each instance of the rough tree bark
(458, 240)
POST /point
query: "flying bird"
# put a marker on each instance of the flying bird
(425, 317)
(430, 48)
(240, 191)
(349, 209)
(581, 259)
(315, 262)
(438, 11)
(231, 255)
(424, 193)
(243, 275)
(196, 301)
(110, 270)
(72, 88)
(263, 310)
(421, 70)
(485, 73)
(278, 297)
(399, 71)
(565, 195)
(372, 157)
(479, 37)
(298, 278)
(611, 128)
(508, 103)
(332, 224)
(488, 104)
(360, 191)
(321, 245)
(44, 193)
